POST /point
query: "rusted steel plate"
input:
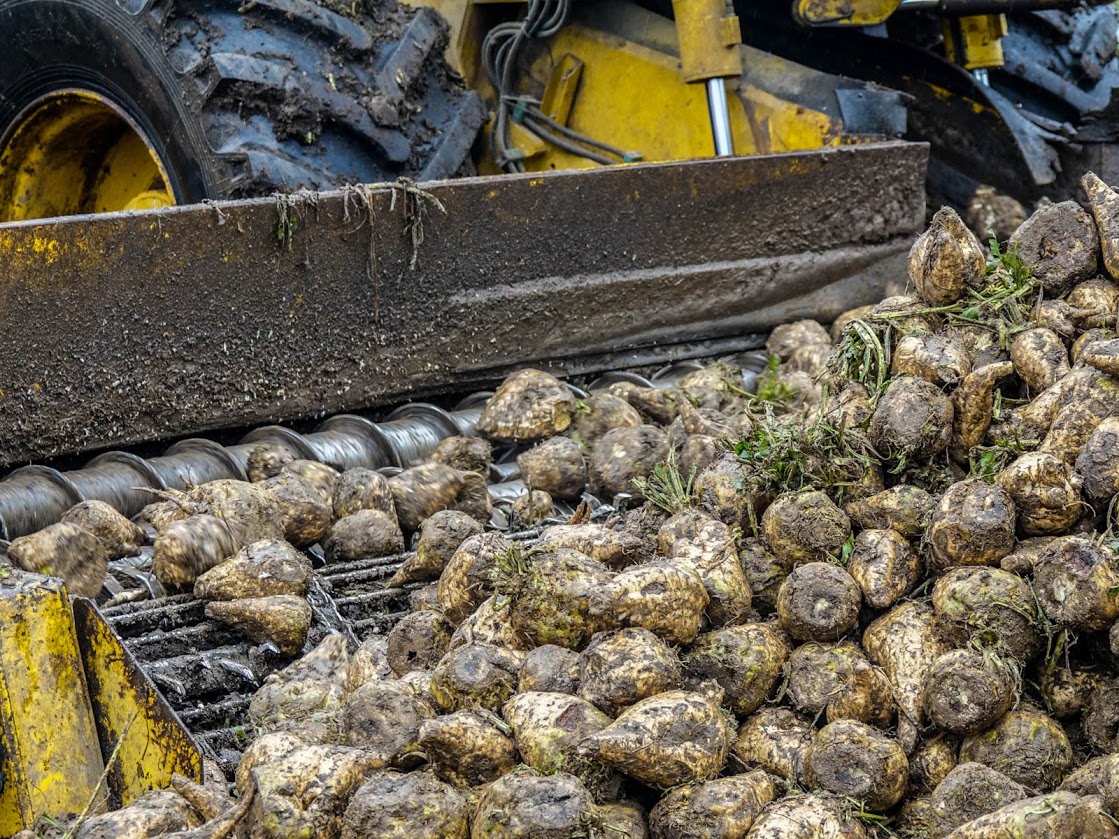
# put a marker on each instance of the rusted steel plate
(131, 327)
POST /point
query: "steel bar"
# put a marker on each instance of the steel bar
(982, 7)
(35, 496)
(136, 327)
(720, 117)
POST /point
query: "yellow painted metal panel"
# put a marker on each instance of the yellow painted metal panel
(634, 97)
(563, 84)
(709, 39)
(624, 85)
(975, 41)
(133, 720)
(51, 761)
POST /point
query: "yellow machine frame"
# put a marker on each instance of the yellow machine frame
(619, 79)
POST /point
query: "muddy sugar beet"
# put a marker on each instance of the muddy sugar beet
(870, 592)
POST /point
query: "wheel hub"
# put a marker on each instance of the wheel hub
(74, 151)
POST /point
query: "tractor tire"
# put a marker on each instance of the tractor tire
(1061, 65)
(276, 95)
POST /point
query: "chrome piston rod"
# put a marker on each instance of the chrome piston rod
(720, 117)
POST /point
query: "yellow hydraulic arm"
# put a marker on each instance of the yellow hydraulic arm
(709, 38)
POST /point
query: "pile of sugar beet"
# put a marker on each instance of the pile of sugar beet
(878, 596)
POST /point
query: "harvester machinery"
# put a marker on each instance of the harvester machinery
(224, 216)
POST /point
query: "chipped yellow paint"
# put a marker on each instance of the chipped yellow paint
(37, 248)
(33, 249)
(41, 245)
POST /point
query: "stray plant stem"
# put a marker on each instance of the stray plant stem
(857, 810)
(287, 219)
(93, 796)
(415, 202)
(987, 461)
(666, 487)
(362, 196)
(771, 388)
(862, 356)
(782, 455)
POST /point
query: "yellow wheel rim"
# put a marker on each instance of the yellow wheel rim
(74, 151)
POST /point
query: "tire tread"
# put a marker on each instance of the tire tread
(295, 95)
